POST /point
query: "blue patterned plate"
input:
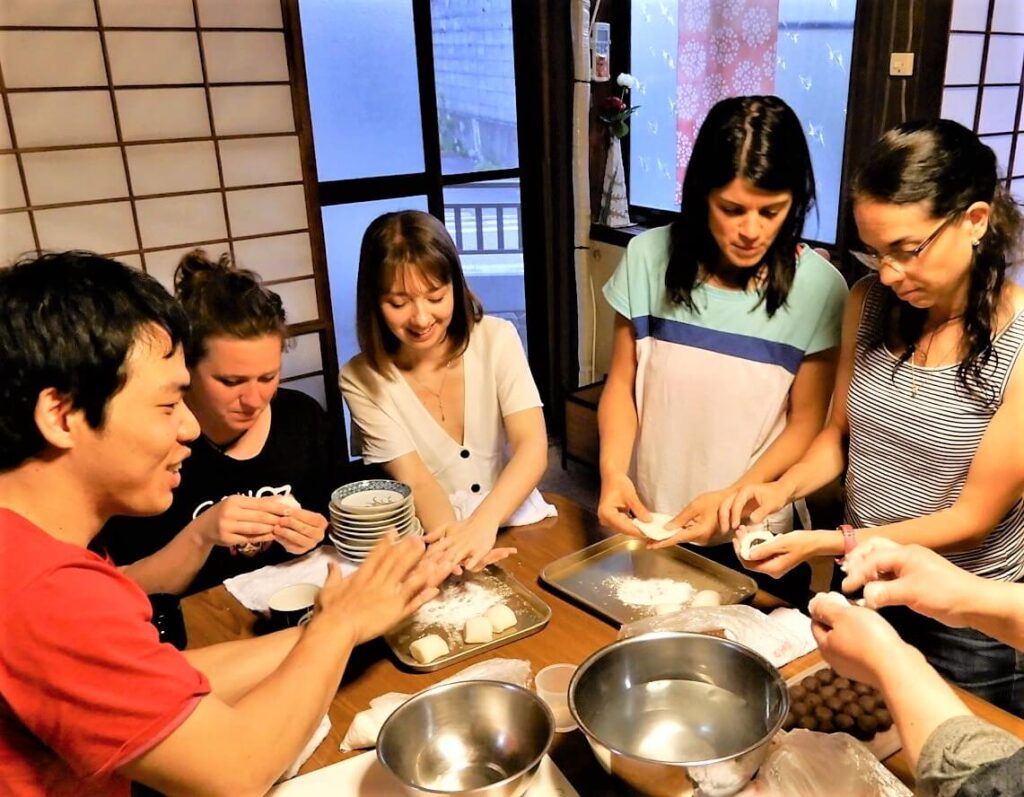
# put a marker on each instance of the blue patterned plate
(370, 496)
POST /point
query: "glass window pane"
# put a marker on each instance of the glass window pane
(1005, 56)
(1008, 16)
(959, 105)
(363, 87)
(653, 181)
(970, 14)
(476, 88)
(998, 109)
(1001, 147)
(1017, 189)
(344, 226)
(1018, 157)
(689, 55)
(484, 220)
(963, 61)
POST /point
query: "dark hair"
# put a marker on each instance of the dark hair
(224, 301)
(396, 241)
(760, 140)
(68, 321)
(945, 166)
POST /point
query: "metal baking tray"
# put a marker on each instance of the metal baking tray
(586, 575)
(531, 612)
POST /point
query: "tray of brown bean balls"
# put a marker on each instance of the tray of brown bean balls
(822, 700)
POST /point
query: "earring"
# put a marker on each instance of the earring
(976, 243)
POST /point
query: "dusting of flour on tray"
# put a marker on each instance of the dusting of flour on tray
(633, 591)
(458, 603)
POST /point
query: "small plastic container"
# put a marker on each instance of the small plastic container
(552, 685)
(601, 51)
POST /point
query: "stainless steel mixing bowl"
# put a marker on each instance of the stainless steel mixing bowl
(669, 712)
(480, 738)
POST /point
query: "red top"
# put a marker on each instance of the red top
(85, 684)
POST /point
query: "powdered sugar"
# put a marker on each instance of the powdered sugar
(633, 591)
(458, 602)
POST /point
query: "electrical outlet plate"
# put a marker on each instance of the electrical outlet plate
(901, 64)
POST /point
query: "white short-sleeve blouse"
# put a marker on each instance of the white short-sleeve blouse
(389, 420)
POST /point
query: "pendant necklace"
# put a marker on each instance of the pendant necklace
(914, 365)
(440, 389)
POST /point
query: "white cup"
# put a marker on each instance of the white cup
(293, 605)
(553, 688)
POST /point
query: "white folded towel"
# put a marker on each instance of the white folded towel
(533, 510)
(318, 736)
(253, 590)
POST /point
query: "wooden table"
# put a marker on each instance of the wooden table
(572, 635)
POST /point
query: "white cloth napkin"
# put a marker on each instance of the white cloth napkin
(795, 627)
(533, 510)
(363, 776)
(253, 590)
(366, 724)
(781, 636)
(318, 736)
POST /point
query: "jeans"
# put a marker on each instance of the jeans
(973, 661)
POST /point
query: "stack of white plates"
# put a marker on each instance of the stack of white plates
(363, 512)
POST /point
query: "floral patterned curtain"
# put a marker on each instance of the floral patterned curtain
(726, 48)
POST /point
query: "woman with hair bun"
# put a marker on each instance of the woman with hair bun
(253, 490)
(929, 398)
(726, 332)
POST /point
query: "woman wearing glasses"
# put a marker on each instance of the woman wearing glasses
(929, 398)
(726, 332)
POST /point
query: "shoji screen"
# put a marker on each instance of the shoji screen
(984, 80)
(143, 128)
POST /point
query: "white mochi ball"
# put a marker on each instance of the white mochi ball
(478, 630)
(428, 648)
(501, 617)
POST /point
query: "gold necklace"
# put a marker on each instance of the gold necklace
(440, 389)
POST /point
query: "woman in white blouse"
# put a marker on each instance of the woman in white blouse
(441, 395)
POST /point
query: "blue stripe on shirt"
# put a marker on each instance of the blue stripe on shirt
(729, 343)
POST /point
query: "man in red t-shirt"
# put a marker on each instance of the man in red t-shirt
(92, 424)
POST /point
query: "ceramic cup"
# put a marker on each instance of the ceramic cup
(168, 619)
(292, 605)
(552, 685)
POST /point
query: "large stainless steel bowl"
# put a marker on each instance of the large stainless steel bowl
(670, 711)
(480, 738)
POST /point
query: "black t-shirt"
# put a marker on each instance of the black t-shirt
(294, 459)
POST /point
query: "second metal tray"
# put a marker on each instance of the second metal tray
(590, 575)
(531, 613)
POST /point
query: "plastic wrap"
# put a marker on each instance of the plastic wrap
(367, 724)
(807, 764)
(780, 637)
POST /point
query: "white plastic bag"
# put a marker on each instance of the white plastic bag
(367, 724)
(808, 764)
(781, 637)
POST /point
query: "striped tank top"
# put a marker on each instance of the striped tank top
(913, 436)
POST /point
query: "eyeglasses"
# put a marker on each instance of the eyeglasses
(898, 261)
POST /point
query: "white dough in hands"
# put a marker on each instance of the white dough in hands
(289, 500)
(836, 598)
(752, 539)
(478, 630)
(501, 617)
(654, 529)
(427, 648)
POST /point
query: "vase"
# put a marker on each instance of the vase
(614, 202)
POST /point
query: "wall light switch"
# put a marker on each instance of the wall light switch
(901, 64)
